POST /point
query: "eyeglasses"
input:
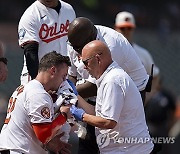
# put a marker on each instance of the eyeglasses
(85, 62)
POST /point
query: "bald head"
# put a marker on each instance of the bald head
(96, 47)
(101, 54)
(81, 31)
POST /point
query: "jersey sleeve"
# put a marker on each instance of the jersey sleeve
(40, 108)
(72, 69)
(27, 29)
(113, 100)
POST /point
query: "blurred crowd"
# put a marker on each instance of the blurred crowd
(147, 14)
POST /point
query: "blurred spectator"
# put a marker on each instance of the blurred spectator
(160, 111)
(125, 24)
(3, 64)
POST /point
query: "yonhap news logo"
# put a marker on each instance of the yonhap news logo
(104, 140)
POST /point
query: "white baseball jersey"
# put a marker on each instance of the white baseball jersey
(46, 27)
(118, 99)
(33, 105)
(122, 52)
(146, 59)
(64, 89)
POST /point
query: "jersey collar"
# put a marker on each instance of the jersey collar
(111, 66)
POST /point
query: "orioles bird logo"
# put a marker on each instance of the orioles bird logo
(45, 112)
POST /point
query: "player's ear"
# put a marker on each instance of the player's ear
(98, 58)
(52, 70)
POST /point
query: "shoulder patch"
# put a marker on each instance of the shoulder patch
(45, 112)
(22, 33)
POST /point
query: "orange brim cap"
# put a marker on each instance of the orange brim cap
(127, 24)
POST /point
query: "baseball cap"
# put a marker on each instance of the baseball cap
(125, 19)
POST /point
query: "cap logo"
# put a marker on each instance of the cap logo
(127, 19)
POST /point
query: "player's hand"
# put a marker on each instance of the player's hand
(66, 109)
(72, 86)
(77, 112)
(56, 145)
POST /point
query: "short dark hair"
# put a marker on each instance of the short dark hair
(53, 59)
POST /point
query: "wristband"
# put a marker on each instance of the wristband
(4, 60)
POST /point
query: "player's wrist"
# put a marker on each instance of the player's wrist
(64, 114)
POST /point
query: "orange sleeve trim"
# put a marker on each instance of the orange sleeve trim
(45, 131)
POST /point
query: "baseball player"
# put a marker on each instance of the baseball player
(42, 28)
(32, 122)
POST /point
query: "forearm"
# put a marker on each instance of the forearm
(90, 109)
(87, 89)
(32, 60)
(73, 79)
(85, 115)
(45, 132)
(99, 121)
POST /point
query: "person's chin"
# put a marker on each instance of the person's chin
(49, 4)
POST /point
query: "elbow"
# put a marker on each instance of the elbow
(111, 124)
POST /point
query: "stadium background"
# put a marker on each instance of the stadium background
(158, 30)
(158, 27)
